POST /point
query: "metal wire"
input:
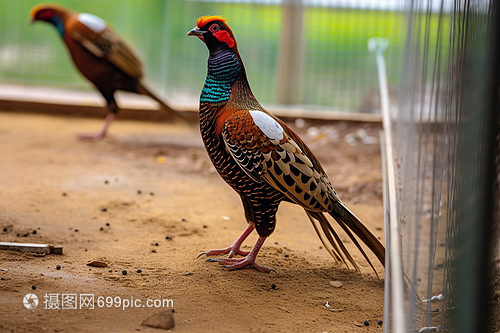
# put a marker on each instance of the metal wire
(445, 155)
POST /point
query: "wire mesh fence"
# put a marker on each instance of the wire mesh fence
(445, 126)
(334, 70)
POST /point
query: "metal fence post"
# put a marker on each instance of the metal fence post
(290, 54)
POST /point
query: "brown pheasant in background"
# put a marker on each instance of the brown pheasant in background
(263, 160)
(101, 56)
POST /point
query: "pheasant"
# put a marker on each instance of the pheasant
(263, 160)
(101, 56)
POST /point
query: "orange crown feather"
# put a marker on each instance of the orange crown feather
(205, 19)
(41, 6)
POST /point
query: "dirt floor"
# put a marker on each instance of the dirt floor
(148, 199)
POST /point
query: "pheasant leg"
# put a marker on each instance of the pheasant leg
(102, 132)
(235, 247)
(249, 260)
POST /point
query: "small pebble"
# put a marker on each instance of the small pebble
(34, 232)
(336, 284)
(25, 235)
(183, 220)
(167, 237)
(124, 272)
(64, 194)
(33, 287)
(151, 193)
(204, 227)
(276, 243)
(106, 182)
(107, 224)
(104, 210)
(58, 267)
(164, 320)
(76, 230)
(286, 255)
(139, 192)
(273, 286)
(139, 271)
(101, 228)
(4, 229)
(156, 244)
(190, 273)
(380, 322)
(366, 323)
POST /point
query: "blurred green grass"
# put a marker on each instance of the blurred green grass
(338, 72)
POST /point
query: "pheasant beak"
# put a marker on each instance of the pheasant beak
(196, 32)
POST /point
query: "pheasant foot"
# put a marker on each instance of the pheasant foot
(234, 248)
(249, 260)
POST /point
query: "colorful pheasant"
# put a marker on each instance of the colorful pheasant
(262, 159)
(100, 55)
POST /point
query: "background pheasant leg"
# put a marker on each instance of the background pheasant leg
(102, 132)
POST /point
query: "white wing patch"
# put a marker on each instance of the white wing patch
(93, 22)
(270, 127)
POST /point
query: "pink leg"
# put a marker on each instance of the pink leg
(102, 132)
(237, 263)
(235, 247)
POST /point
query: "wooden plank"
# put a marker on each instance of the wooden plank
(25, 247)
(135, 107)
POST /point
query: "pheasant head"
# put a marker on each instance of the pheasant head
(226, 82)
(215, 33)
(51, 13)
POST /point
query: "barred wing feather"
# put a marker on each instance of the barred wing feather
(99, 39)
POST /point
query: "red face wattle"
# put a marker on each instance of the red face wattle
(221, 35)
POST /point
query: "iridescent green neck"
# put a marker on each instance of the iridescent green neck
(223, 71)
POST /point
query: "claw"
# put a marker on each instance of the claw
(211, 260)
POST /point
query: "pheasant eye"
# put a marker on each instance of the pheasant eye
(214, 28)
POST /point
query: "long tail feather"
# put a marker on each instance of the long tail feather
(334, 251)
(141, 88)
(360, 230)
(349, 223)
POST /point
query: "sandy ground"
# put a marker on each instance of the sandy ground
(113, 201)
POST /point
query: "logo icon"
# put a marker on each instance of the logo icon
(30, 301)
